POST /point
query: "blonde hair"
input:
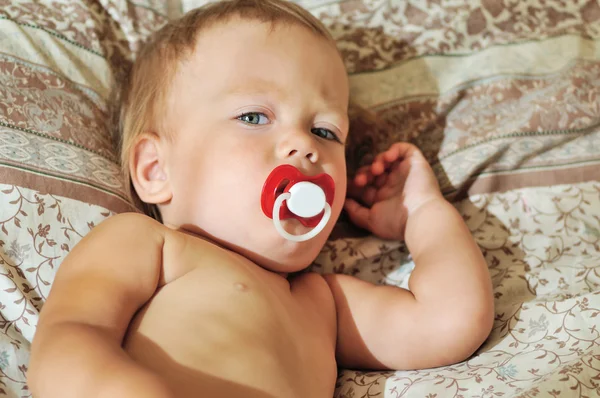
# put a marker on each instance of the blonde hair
(144, 92)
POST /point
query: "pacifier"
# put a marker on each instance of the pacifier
(307, 199)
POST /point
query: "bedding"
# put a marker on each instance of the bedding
(502, 96)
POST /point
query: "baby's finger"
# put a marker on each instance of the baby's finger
(354, 191)
(386, 160)
(363, 176)
(397, 174)
(379, 165)
(392, 154)
(380, 180)
(368, 196)
(358, 214)
(361, 179)
(399, 150)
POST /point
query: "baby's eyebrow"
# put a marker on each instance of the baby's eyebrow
(254, 86)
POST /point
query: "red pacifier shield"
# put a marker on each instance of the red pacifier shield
(281, 179)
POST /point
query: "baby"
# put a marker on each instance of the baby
(234, 122)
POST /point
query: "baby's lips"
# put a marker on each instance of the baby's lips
(288, 172)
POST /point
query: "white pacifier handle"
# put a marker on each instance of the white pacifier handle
(310, 201)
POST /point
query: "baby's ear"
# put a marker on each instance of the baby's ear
(147, 168)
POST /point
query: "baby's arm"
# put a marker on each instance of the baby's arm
(448, 311)
(106, 278)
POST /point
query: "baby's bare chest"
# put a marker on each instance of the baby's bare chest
(228, 320)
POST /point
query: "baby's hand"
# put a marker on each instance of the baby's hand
(385, 193)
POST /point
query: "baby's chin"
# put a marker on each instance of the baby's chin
(287, 256)
(280, 255)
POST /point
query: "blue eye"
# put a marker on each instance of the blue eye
(254, 118)
(324, 133)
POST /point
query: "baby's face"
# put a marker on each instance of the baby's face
(250, 99)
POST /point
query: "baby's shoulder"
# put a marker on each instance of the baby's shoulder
(130, 220)
(123, 249)
(131, 225)
(125, 232)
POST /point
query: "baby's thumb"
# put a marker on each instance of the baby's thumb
(358, 214)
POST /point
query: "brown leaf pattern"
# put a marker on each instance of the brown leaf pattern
(375, 34)
(46, 104)
(542, 246)
(106, 30)
(514, 124)
(36, 232)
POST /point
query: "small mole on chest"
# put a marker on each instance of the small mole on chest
(241, 287)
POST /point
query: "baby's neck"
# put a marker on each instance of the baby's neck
(196, 234)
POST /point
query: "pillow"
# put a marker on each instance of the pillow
(58, 172)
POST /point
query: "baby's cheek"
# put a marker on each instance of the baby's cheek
(340, 188)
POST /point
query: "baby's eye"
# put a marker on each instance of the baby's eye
(324, 133)
(254, 118)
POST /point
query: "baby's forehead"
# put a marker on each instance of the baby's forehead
(252, 53)
(256, 35)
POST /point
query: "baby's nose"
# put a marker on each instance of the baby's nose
(298, 145)
(308, 154)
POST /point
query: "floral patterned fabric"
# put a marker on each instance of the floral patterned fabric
(501, 96)
(543, 250)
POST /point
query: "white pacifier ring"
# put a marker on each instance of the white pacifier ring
(304, 199)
